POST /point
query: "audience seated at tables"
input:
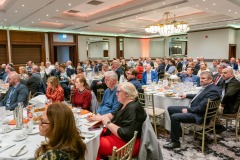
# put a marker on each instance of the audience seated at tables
(166, 64)
(33, 82)
(195, 112)
(117, 68)
(161, 68)
(214, 67)
(196, 66)
(131, 77)
(123, 77)
(100, 84)
(64, 142)
(109, 102)
(29, 66)
(217, 78)
(124, 64)
(189, 77)
(95, 68)
(149, 76)
(172, 68)
(231, 92)
(54, 90)
(16, 93)
(233, 64)
(2, 70)
(63, 79)
(42, 67)
(82, 95)
(121, 124)
(140, 70)
(23, 73)
(203, 67)
(48, 68)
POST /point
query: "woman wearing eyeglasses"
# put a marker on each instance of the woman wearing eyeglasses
(121, 124)
(54, 90)
(63, 138)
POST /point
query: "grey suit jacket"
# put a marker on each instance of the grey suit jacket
(20, 95)
(220, 82)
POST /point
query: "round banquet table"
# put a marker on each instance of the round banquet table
(33, 141)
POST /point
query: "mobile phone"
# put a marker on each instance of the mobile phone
(94, 128)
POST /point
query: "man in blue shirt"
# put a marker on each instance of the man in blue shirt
(131, 77)
(109, 103)
(190, 77)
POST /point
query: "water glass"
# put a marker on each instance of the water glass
(165, 82)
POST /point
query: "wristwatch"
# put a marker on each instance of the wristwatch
(108, 123)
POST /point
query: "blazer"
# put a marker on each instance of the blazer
(33, 82)
(220, 82)
(119, 72)
(231, 98)
(154, 76)
(20, 95)
(55, 73)
(234, 66)
(199, 102)
(179, 66)
(194, 78)
(5, 76)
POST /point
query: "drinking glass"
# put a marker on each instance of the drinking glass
(165, 83)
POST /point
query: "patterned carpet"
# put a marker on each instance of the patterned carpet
(226, 148)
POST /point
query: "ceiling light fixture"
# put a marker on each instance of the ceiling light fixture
(168, 28)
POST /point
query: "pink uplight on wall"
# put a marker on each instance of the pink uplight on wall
(145, 47)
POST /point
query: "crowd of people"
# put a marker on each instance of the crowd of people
(119, 109)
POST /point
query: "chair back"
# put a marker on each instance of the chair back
(125, 152)
(211, 111)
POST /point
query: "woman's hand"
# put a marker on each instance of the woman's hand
(105, 119)
(94, 117)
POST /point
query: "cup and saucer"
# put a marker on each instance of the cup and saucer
(33, 131)
(19, 137)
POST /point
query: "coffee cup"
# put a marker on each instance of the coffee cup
(6, 128)
(19, 135)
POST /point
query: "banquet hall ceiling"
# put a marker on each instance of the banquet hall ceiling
(115, 17)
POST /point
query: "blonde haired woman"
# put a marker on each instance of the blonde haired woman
(23, 73)
(54, 90)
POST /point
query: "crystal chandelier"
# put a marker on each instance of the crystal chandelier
(168, 28)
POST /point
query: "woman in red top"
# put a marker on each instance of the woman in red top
(54, 90)
(82, 95)
(140, 70)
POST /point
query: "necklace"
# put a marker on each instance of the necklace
(81, 91)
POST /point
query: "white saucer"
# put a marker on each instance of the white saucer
(21, 139)
(22, 152)
(35, 131)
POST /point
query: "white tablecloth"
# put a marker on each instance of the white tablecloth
(33, 141)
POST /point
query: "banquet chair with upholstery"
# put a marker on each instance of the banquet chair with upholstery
(147, 101)
(125, 152)
(230, 117)
(208, 124)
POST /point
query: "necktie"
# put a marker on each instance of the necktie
(217, 79)
(10, 97)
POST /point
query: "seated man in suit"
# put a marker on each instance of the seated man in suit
(131, 77)
(231, 92)
(161, 68)
(109, 102)
(217, 78)
(196, 110)
(189, 77)
(16, 93)
(6, 74)
(149, 76)
(2, 70)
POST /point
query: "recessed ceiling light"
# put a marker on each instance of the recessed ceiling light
(57, 10)
(69, 4)
(16, 11)
(197, 5)
(204, 0)
(23, 5)
(236, 12)
(57, 21)
(229, 10)
(176, 6)
(214, 4)
(163, 3)
(39, 19)
(5, 19)
(47, 15)
(206, 8)
(32, 22)
(141, 9)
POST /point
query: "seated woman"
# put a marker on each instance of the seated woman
(54, 90)
(203, 67)
(82, 95)
(23, 73)
(172, 69)
(65, 146)
(121, 124)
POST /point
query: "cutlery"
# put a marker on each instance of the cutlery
(18, 150)
(6, 147)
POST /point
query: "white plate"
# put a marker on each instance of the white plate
(87, 134)
(35, 131)
(21, 139)
(22, 152)
(9, 130)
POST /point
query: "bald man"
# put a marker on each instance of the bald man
(231, 92)
(16, 93)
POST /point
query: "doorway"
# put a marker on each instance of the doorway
(232, 51)
(63, 53)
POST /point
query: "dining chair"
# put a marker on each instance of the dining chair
(230, 117)
(125, 152)
(147, 101)
(208, 124)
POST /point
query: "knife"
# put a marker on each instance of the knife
(18, 150)
(5, 148)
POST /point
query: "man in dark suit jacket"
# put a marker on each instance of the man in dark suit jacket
(179, 65)
(55, 72)
(33, 82)
(217, 78)
(2, 71)
(194, 113)
(16, 93)
(233, 64)
(160, 69)
(231, 92)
